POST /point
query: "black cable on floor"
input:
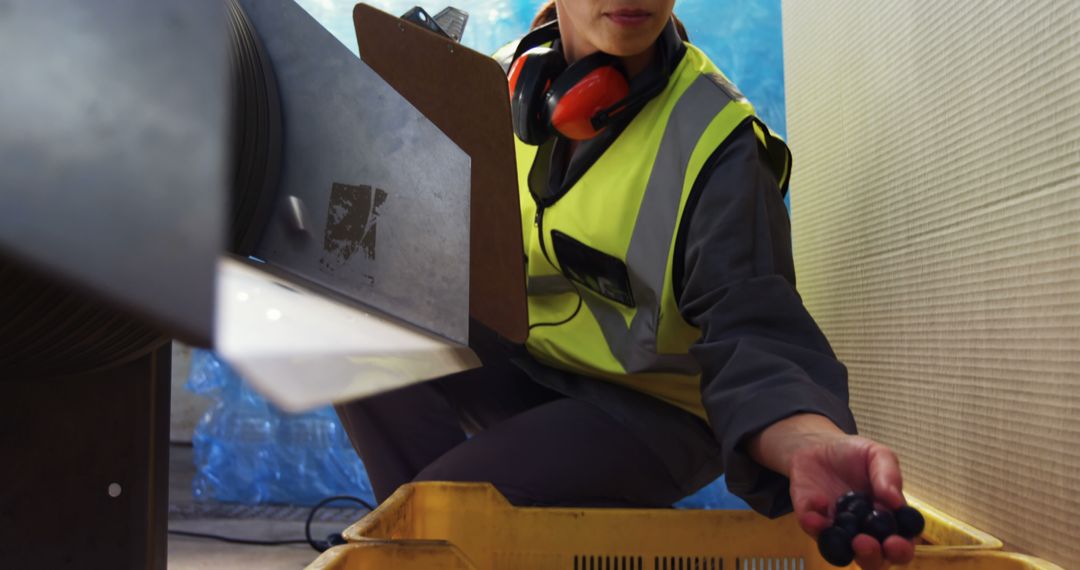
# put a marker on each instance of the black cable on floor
(232, 540)
(333, 539)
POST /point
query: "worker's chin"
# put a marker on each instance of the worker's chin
(627, 45)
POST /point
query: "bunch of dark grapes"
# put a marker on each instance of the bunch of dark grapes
(855, 514)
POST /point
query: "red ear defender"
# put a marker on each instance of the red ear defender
(594, 84)
(547, 97)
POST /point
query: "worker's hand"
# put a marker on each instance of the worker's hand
(823, 463)
(827, 467)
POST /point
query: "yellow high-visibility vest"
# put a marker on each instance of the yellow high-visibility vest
(622, 324)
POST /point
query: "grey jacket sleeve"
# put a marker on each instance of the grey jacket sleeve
(762, 356)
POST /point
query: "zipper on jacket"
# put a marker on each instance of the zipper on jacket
(540, 235)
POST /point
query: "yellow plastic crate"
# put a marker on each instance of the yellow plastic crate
(945, 532)
(471, 526)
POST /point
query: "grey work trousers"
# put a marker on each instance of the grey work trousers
(495, 424)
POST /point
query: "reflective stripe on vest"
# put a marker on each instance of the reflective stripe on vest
(651, 241)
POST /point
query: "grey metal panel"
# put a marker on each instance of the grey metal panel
(374, 199)
(112, 133)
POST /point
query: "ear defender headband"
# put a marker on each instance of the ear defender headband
(549, 98)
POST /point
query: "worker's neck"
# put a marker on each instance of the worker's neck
(634, 64)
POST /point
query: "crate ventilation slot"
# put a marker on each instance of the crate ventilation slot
(687, 563)
(770, 564)
(582, 562)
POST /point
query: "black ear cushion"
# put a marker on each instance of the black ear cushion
(540, 66)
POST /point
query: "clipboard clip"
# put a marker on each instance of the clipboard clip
(450, 22)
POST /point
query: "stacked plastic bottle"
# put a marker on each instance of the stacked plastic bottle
(247, 451)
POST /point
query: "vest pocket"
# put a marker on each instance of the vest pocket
(601, 273)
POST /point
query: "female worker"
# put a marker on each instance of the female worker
(667, 342)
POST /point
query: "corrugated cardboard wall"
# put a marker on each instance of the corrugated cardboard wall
(936, 216)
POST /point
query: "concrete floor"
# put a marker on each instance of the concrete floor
(262, 523)
(193, 553)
